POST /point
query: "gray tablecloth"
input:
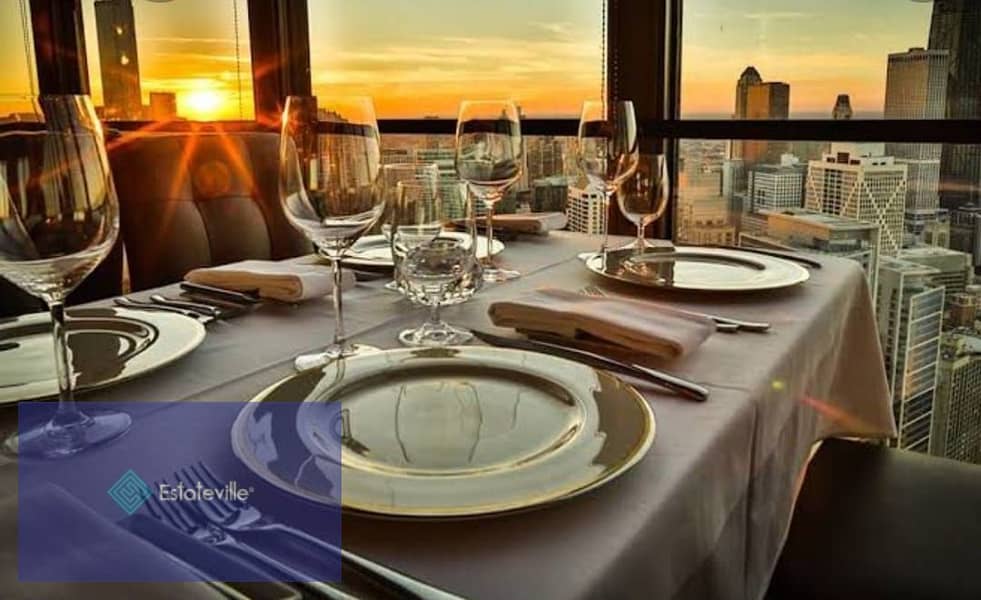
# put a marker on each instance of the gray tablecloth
(704, 515)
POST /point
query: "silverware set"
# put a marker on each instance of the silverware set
(242, 529)
(198, 304)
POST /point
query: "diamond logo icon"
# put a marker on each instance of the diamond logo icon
(130, 492)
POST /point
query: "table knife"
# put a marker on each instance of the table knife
(682, 387)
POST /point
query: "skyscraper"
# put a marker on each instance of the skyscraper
(956, 27)
(118, 60)
(910, 313)
(843, 108)
(769, 100)
(750, 77)
(957, 420)
(773, 187)
(954, 269)
(916, 88)
(856, 182)
(586, 210)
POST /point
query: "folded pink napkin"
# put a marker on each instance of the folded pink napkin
(620, 323)
(534, 223)
(284, 281)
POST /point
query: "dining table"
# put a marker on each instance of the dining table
(703, 515)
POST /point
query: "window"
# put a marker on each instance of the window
(421, 58)
(166, 60)
(18, 80)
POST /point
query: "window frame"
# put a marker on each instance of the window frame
(643, 37)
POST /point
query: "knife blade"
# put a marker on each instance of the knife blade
(680, 386)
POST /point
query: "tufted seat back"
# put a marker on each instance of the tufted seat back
(190, 200)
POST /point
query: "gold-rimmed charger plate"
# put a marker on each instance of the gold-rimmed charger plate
(694, 268)
(108, 345)
(444, 433)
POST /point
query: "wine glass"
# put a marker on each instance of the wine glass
(644, 197)
(430, 268)
(489, 158)
(329, 162)
(59, 217)
(608, 150)
(392, 176)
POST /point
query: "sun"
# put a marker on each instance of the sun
(202, 105)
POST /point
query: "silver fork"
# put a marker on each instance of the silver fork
(723, 324)
(187, 518)
(237, 515)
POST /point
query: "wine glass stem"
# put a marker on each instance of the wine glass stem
(338, 305)
(640, 235)
(608, 202)
(434, 307)
(490, 230)
(67, 413)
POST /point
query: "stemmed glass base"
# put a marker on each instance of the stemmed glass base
(496, 275)
(53, 440)
(435, 334)
(317, 360)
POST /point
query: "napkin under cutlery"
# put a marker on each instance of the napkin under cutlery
(618, 324)
(533, 223)
(283, 281)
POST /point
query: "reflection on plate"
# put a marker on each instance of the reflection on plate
(374, 250)
(698, 269)
(449, 432)
(108, 345)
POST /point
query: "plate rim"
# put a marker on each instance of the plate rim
(638, 452)
(364, 262)
(802, 274)
(126, 313)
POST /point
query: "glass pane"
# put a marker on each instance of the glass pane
(421, 58)
(833, 59)
(920, 249)
(18, 80)
(169, 60)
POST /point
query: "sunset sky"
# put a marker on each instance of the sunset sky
(422, 57)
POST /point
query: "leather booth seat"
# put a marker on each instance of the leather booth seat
(874, 522)
(192, 200)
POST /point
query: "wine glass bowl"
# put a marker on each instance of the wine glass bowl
(430, 273)
(608, 149)
(490, 159)
(330, 160)
(59, 218)
(643, 198)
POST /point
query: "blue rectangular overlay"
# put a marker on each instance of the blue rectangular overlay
(194, 491)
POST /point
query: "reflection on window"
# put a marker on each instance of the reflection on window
(860, 202)
(422, 58)
(18, 81)
(171, 60)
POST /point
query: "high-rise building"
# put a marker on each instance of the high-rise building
(586, 210)
(773, 187)
(803, 230)
(163, 106)
(450, 188)
(956, 28)
(965, 231)
(769, 100)
(957, 419)
(118, 60)
(955, 270)
(962, 310)
(749, 77)
(550, 194)
(852, 182)
(910, 314)
(843, 108)
(916, 88)
(937, 231)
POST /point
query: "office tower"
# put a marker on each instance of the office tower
(843, 108)
(549, 194)
(851, 182)
(799, 229)
(962, 310)
(451, 189)
(586, 210)
(543, 157)
(163, 106)
(909, 314)
(957, 422)
(733, 177)
(937, 231)
(769, 100)
(916, 88)
(955, 270)
(118, 60)
(956, 27)
(965, 231)
(773, 187)
(749, 77)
